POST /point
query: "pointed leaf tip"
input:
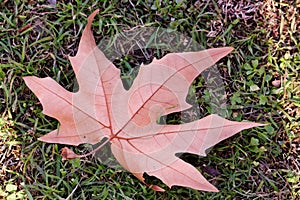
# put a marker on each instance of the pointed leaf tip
(92, 16)
(157, 188)
(222, 51)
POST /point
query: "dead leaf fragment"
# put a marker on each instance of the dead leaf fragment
(276, 83)
(68, 154)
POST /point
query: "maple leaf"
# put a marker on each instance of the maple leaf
(102, 108)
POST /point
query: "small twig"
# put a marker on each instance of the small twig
(73, 191)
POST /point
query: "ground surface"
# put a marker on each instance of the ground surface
(262, 84)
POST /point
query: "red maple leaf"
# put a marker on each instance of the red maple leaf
(102, 108)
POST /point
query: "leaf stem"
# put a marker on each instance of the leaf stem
(94, 150)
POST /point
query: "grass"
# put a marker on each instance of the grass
(261, 79)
